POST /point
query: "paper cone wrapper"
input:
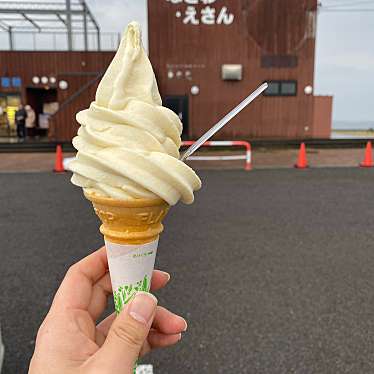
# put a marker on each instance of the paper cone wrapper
(131, 231)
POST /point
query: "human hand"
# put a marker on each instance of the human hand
(69, 341)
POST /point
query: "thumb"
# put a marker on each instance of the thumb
(127, 335)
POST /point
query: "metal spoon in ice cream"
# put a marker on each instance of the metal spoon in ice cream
(218, 126)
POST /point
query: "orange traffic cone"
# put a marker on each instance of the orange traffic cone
(368, 161)
(59, 161)
(302, 162)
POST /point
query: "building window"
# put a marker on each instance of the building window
(289, 88)
(273, 89)
(5, 82)
(279, 61)
(281, 88)
(16, 82)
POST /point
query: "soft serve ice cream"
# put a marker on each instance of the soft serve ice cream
(128, 143)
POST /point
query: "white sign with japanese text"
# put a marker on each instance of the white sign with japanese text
(211, 14)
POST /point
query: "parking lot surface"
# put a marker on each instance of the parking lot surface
(273, 269)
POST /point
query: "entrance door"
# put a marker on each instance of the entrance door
(179, 105)
(44, 103)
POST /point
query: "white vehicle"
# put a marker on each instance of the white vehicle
(1, 351)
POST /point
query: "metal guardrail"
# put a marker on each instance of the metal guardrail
(247, 157)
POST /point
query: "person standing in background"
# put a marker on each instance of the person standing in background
(30, 121)
(20, 117)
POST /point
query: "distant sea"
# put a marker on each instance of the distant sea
(353, 125)
(352, 130)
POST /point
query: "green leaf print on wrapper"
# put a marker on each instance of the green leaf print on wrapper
(125, 293)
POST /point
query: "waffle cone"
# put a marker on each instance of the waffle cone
(137, 221)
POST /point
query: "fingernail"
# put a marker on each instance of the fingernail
(166, 275)
(179, 337)
(143, 307)
(185, 328)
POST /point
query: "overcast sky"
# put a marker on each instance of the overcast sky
(345, 63)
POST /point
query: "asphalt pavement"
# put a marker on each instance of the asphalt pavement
(273, 269)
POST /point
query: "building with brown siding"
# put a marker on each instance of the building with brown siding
(208, 55)
(56, 84)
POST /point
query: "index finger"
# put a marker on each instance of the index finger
(76, 289)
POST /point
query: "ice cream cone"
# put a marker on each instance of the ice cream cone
(136, 221)
(128, 147)
(131, 230)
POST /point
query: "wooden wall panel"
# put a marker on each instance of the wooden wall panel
(322, 116)
(77, 68)
(261, 27)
